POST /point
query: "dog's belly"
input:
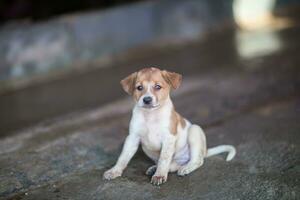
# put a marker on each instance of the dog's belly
(151, 145)
(182, 156)
(152, 154)
(182, 152)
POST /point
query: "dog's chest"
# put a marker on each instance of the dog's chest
(152, 129)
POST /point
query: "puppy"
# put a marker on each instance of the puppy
(171, 141)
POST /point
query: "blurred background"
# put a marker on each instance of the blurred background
(51, 50)
(61, 63)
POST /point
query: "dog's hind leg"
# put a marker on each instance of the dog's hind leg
(174, 166)
(197, 145)
(151, 170)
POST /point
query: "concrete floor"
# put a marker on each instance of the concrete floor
(243, 89)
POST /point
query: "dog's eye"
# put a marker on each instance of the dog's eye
(157, 87)
(140, 88)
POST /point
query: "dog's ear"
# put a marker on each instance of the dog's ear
(172, 78)
(128, 83)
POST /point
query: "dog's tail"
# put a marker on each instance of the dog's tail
(221, 149)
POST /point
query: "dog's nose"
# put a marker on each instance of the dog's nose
(147, 100)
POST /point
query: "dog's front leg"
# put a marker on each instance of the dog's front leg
(164, 161)
(129, 149)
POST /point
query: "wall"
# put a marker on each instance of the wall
(28, 50)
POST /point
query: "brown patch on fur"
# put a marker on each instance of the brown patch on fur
(175, 121)
(151, 76)
(182, 122)
(128, 83)
(174, 79)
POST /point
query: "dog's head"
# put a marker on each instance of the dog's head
(150, 87)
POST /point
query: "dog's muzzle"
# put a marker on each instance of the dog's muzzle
(147, 100)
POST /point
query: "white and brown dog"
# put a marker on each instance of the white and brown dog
(171, 141)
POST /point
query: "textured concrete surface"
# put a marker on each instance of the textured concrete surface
(250, 101)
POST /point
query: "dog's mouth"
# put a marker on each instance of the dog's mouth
(150, 106)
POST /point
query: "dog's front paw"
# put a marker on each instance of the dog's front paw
(158, 179)
(111, 174)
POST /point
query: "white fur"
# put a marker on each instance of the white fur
(221, 149)
(183, 152)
